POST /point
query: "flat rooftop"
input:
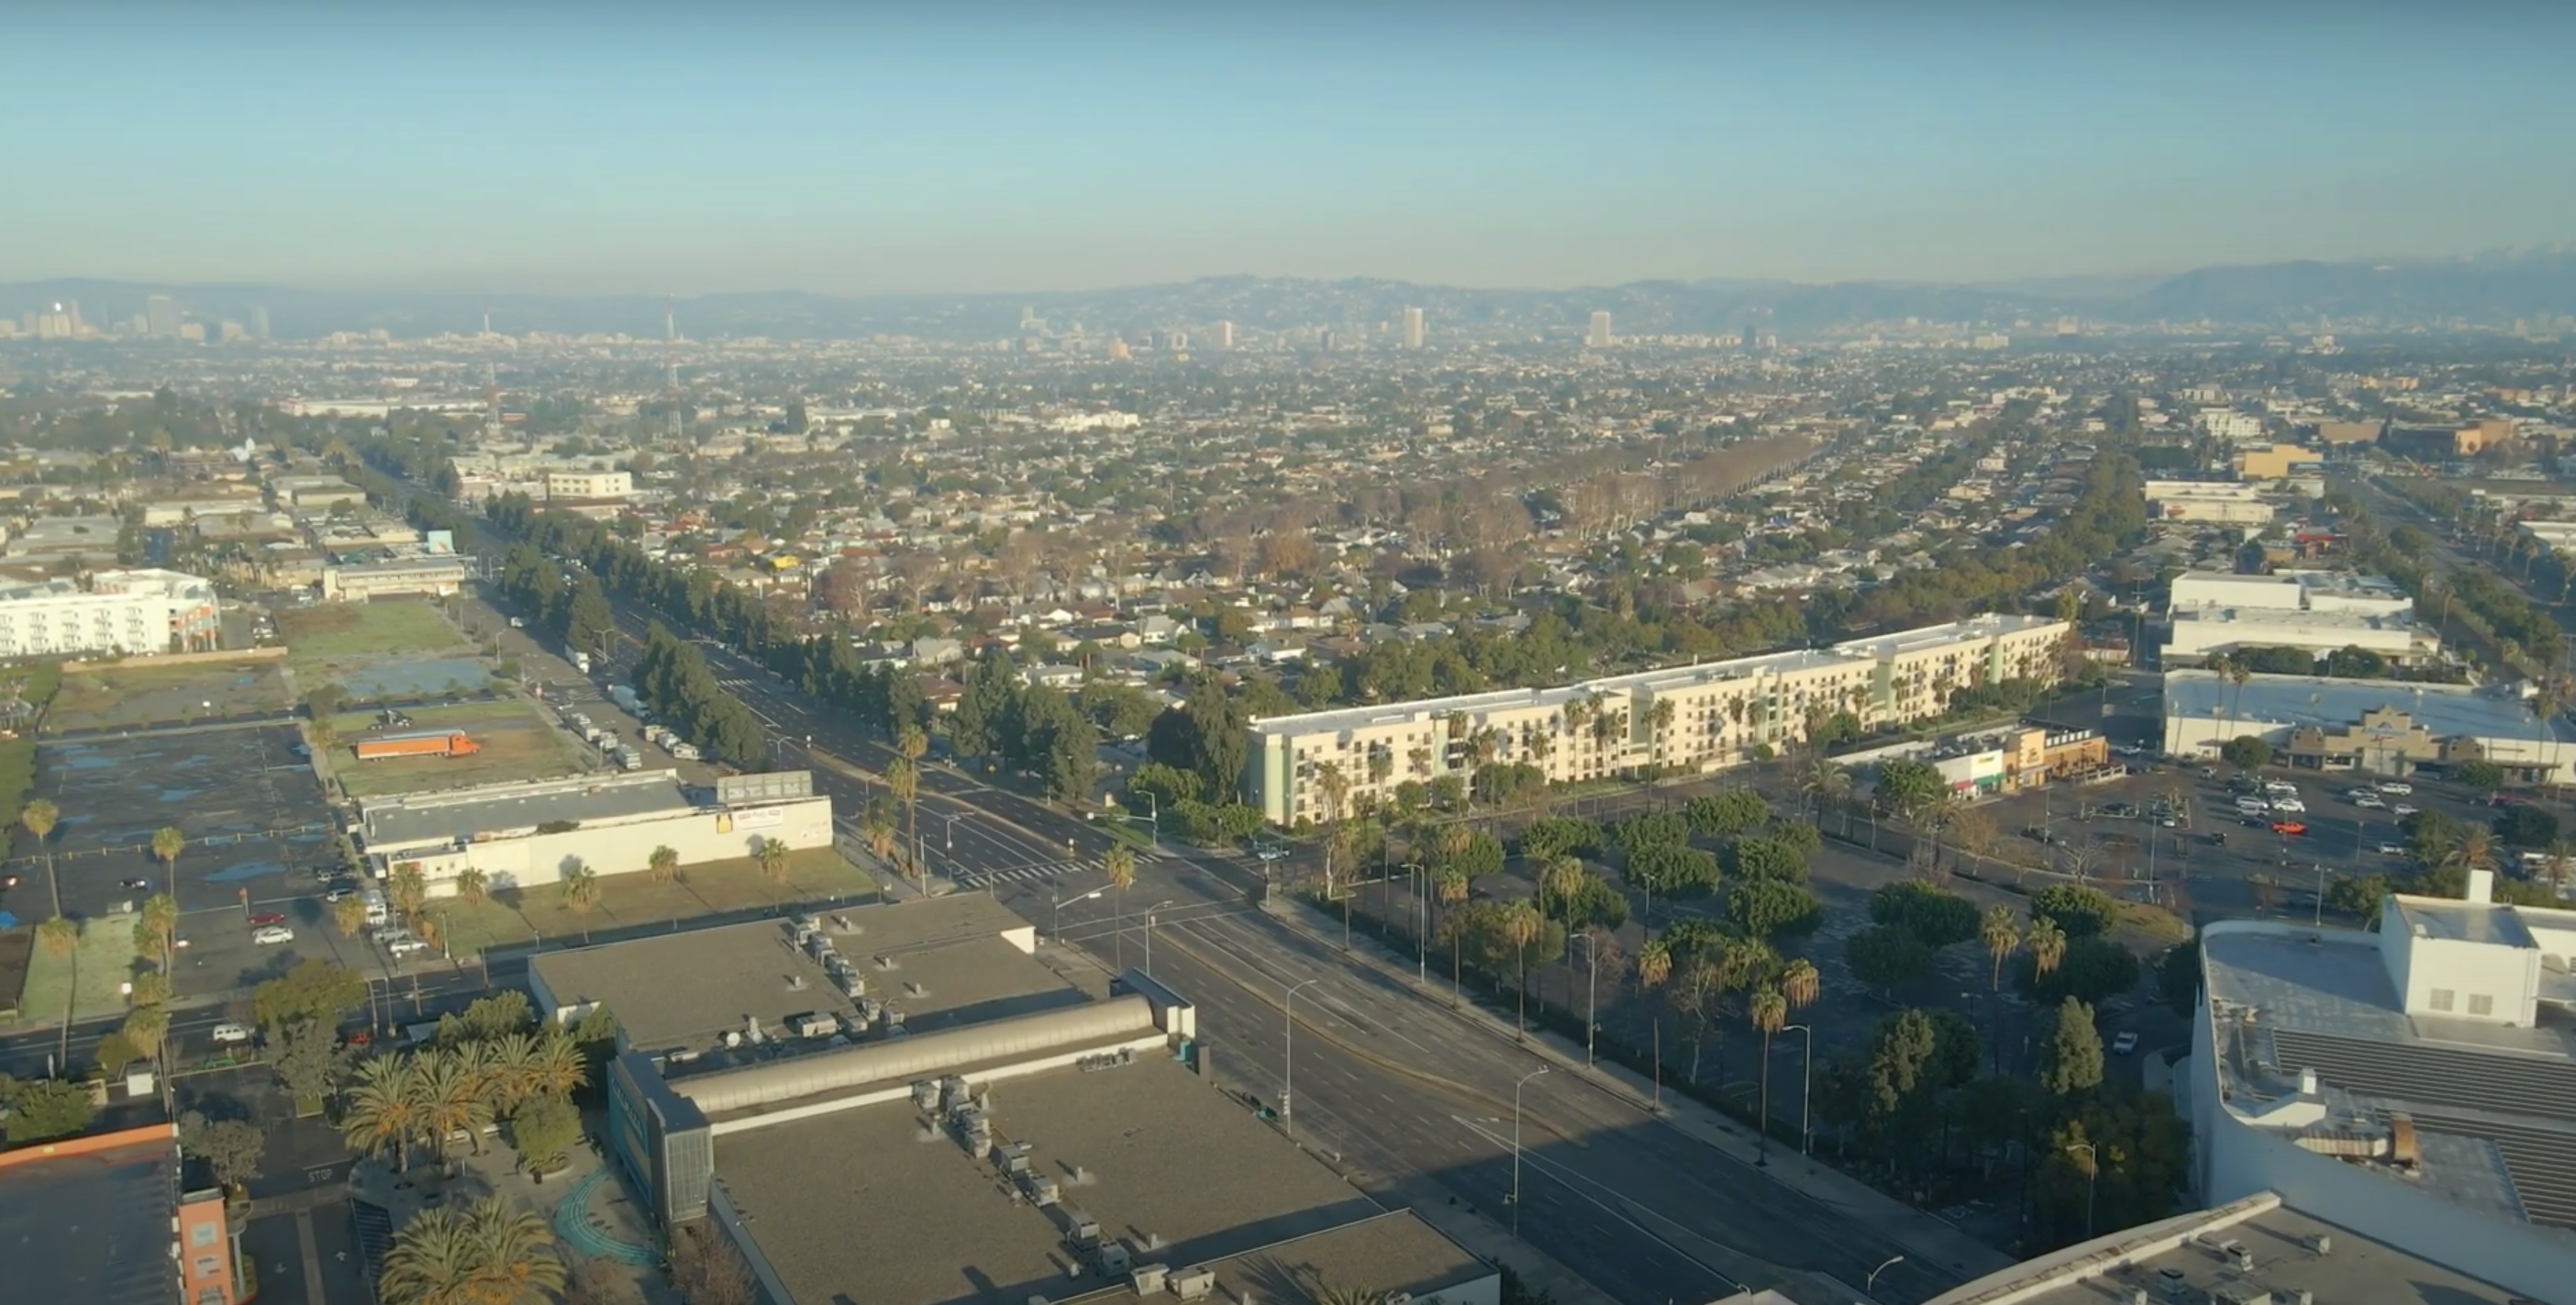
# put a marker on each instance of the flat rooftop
(682, 992)
(2494, 1106)
(875, 1204)
(91, 1228)
(2180, 1259)
(409, 819)
(2289, 618)
(2448, 710)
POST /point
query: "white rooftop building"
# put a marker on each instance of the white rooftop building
(138, 612)
(2416, 1085)
(2291, 591)
(2197, 634)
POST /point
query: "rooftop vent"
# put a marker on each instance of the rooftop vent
(1194, 1283)
(885, 962)
(1148, 1278)
(2321, 1243)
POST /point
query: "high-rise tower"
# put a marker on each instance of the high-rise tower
(1412, 328)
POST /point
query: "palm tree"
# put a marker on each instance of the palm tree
(159, 924)
(2002, 935)
(1120, 866)
(774, 860)
(447, 1091)
(350, 913)
(167, 842)
(381, 1112)
(59, 936)
(664, 863)
(2047, 944)
(1559, 879)
(409, 889)
(1449, 884)
(878, 825)
(903, 780)
(473, 884)
(1800, 984)
(39, 817)
(490, 1253)
(556, 1065)
(2475, 850)
(144, 1027)
(1769, 1011)
(1353, 1296)
(911, 742)
(580, 885)
(1520, 924)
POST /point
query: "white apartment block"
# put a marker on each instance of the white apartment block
(125, 612)
(1683, 718)
(589, 484)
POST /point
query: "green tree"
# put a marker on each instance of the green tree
(579, 886)
(232, 1148)
(1723, 814)
(543, 1133)
(473, 885)
(1938, 918)
(308, 1061)
(350, 914)
(2094, 969)
(39, 817)
(1886, 957)
(2081, 912)
(1763, 907)
(167, 843)
(1903, 1049)
(315, 992)
(58, 936)
(2071, 1059)
(1910, 788)
(903, 781)
(2246, 752)
(1775, 859)
(41, 1112)
(2002, 937)
(384, 1113)
(2483, 775)
(775, 860)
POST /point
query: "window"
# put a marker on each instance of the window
(2442, 999)
(2481, 1004)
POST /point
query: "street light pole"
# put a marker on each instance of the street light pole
(1288, 1061)
(1149, 934)
(1870, 1287)
(1592, 992)
(2092, 1178)
(1806, 1081)
(1058, 904)
(1516, 1147)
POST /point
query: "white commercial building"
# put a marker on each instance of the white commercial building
(2416, 1085)
(589, 484)
(2290, 591)
(524, 835)
(2207, 502)
(2197, 634)
(126, 613)
(1700, 718)
(2377, 727)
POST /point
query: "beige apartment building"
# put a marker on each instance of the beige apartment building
(1702, 717)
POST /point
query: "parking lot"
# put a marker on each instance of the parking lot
(256, 827)
(2177, 831)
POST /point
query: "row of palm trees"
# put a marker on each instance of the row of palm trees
(492, 1252)
(436, 1095)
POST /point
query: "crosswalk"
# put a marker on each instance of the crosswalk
(1038, 873)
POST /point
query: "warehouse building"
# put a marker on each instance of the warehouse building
(1701, 718)
(524, 835)
(996, 1132)
(2373, 727)
(2290, 591)
(2207, 502)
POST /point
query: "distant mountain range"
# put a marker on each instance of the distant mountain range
(2493, 288)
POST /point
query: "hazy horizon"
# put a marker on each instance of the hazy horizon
(1010, 148)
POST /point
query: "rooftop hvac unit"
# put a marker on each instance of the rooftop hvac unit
(2321, 1243)
(1147, 1278)
(1043, 1190)
(1197, 1281)
(884, 962)
(2136, 1296)
(913, 988)
(796, 983)
(2295, 1296)
(1086, 1229)
(1114, 1259)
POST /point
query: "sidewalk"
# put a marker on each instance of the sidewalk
(1927, 1240)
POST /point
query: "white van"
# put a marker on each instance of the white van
(376, 911)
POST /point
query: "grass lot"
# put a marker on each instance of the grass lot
(94, 974)
(142, 691)
(629, 900)
(339, 632)
(518, 744)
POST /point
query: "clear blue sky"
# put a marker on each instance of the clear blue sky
(957, 145)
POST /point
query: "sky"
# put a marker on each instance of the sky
(971, 145)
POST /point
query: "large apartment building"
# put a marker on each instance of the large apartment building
(1701, 717)
(139, 612)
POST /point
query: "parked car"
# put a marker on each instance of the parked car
(2124, 1044)
(2291, 805)
(339, 894)
(2217, 838)
(2398, 787)
(135, 885)
(2392, 849)
(406, 945)
(272, 935)
(232, 1033)
(389, 933)
(269, 917)
(2370, 802)
(2401, 811)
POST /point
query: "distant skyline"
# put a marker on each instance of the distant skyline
(1002, 147)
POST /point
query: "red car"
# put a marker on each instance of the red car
(2289, 827)
(268, 917)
